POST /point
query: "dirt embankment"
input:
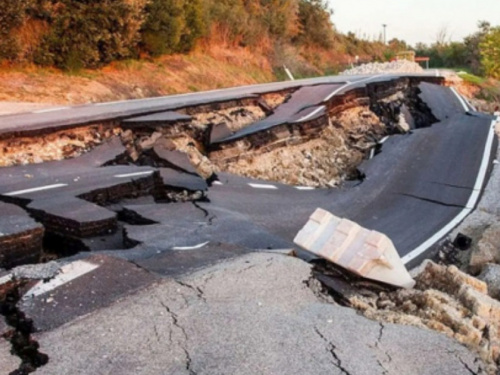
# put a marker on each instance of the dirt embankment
(136, 79)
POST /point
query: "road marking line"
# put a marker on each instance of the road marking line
(34, 190)
(262, 186)
(196, 247)
(383, 140)
(473, 200)
(136, 174)
(218, 183)
(5, 279)
(459, 97)
(350, 84)
(47, 110)
(68, 273)
(372, 153)
(305, 188)
(313, 113)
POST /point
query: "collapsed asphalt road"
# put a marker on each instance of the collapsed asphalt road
(142, 213)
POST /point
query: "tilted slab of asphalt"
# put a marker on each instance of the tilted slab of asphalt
(300, 100)
(49, 120)
(443, 101)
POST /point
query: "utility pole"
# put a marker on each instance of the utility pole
(385, 32)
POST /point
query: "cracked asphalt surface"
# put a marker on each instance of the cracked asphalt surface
(253, 315)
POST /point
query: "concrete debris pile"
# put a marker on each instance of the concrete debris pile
(444, 299)
(401, 66)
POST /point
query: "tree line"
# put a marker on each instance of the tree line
(479, 52)
(73, 34)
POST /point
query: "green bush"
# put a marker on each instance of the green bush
(172, 26)
(88, 34)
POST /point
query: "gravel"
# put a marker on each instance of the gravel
(401, 66)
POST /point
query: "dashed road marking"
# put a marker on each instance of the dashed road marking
(383, 140)
(305, 188)
(34, 190)
(47, 110)
(136, 174)
(262, 186)
(195, 247)
(5, 279)
(217, 183)
(68, 273)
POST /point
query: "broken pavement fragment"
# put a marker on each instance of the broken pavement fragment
(366, 253)
(20, 236)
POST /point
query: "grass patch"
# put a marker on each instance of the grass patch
(471, 78)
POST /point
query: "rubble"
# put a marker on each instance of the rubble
(60, 145)
(330, 157)
(491, 276)
(487, 249)
(366, 253)
(445, 300)
(400, 66)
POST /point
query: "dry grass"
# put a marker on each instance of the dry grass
(201, 70)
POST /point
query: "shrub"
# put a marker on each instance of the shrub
(88, 33)
(490, 53)
(315, 25)
(12, 14)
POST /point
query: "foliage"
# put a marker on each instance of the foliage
(88, 33)
(12, 14)
(172, 26)
(490, 53)
(315, 25)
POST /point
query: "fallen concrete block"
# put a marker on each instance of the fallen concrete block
(366, 253)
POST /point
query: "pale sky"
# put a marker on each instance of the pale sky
(413, 20)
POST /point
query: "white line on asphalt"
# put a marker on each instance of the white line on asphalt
(459, 97)
(469, 206)
(68, 273)
(34, 190)
(137, 174)
(50, 110)
(262, 186)
(372, 153)
(383, 140)
(313, 113)
(5, 279)
(218, 183)
(305, 188)
(350, 84)
(196, 247)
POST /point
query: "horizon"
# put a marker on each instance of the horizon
(458, 17)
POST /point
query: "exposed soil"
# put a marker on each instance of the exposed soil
(323, 161)
(55, 146)
(444, 300)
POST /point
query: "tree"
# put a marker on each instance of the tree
(12, 14)
(472, 50)
(88, 34)
(490, 53)
(162, 32)
(316, 28)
